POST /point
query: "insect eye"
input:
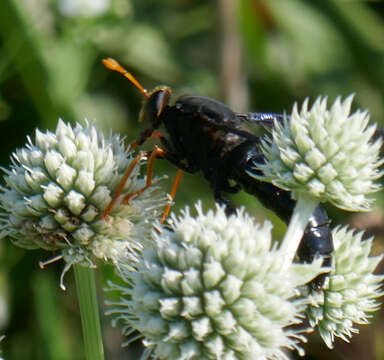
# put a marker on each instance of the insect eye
(162, 99)
(155, 105)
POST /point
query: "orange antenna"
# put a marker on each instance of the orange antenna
(112, 64)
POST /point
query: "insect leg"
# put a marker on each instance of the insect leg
(175, 185)
(146, 135)
(122, 183)
(230, 209)
(317, 241)
(158, 152)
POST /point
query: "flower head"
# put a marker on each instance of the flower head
(352, 289)
(213, 288)
(57, 188)
(326, 153)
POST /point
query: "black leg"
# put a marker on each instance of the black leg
(230, 209)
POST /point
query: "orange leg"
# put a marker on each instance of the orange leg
(122, 183)
(155, 135)
(175, 185)
(157, 152)
(151, 161)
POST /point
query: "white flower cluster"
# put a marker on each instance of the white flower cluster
(352, 290)
(213, 288)
(58, 187)
(326, 153)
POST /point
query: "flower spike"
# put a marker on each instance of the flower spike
(58, 186)
(213, 287)
(326, 153)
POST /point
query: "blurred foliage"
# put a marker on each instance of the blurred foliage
(50, 52)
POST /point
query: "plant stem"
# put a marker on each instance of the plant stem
(90, 319)
(303, 210)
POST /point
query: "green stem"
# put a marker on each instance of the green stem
(86, 292)
(304, 208)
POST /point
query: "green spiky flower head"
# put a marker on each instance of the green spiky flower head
(59, 185)
(327, 154)
(213, 287)
(351, 293)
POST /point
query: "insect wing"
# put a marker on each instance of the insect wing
(264, 119)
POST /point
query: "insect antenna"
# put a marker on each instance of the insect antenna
(113, 65)
(161, 96)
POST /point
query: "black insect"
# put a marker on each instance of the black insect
(203, 134)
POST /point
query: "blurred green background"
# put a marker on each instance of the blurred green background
(252, 54)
